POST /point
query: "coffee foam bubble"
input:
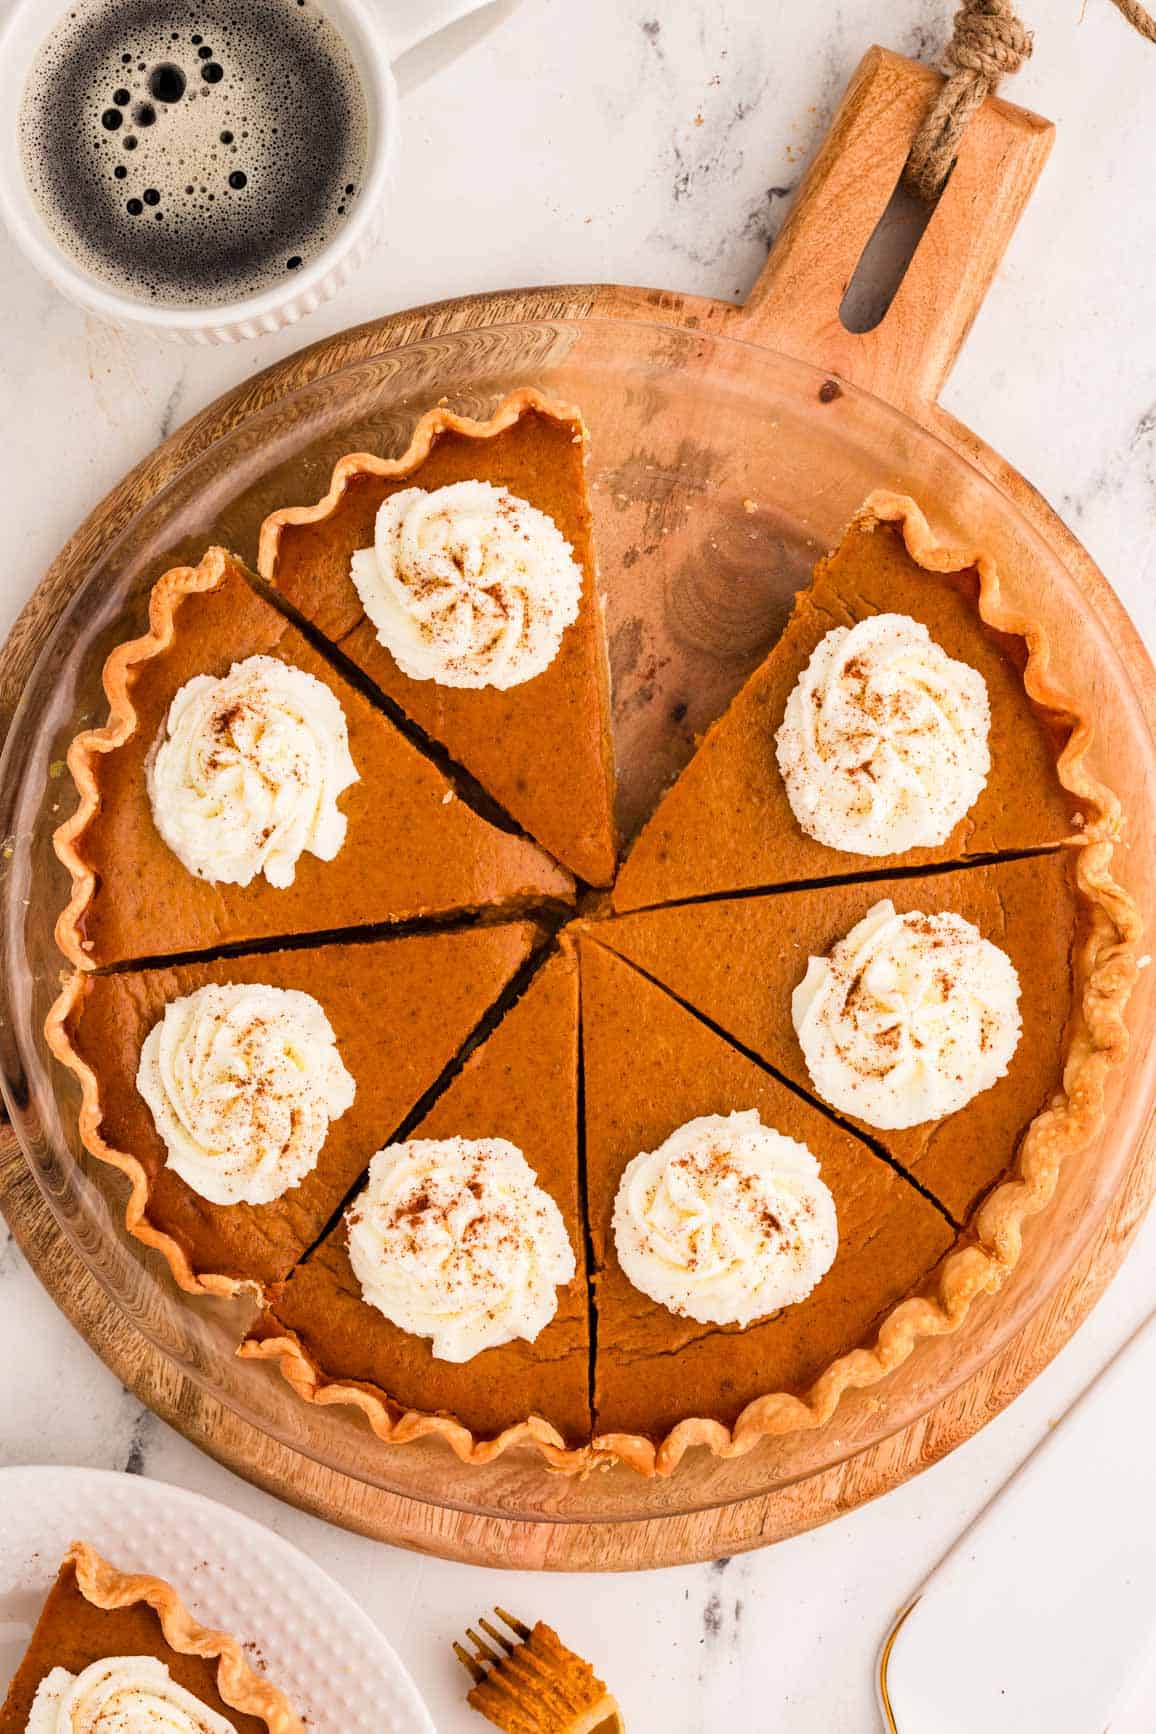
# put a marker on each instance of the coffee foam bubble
(194, 154)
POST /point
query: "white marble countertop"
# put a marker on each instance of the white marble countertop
(554, 142)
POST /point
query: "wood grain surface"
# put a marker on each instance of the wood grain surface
(795, 308)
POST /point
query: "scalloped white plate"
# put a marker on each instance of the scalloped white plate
(313, 1640)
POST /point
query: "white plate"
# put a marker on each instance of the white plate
(314, 1642)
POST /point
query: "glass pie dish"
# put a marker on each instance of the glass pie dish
(720, 472)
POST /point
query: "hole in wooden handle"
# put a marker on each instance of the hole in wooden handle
(886, 259)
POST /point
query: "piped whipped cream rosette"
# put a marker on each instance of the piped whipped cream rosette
(247, 772)
(243, 1081)
(468, 585)
(884, 742)
(908, 1017)
(453, 1239)
(120, 1695)
(726, 1222)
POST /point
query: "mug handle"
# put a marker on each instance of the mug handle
(408, 22)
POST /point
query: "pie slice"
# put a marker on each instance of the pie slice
(738, 961)
(661, 1380)
(542, 749)
(400, 1009)
(727, 824)
(95, 1612)
(413, 846)
(521, 1084)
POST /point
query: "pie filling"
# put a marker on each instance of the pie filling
(670, 1167)
(114, 1653)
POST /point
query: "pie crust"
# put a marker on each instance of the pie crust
(537, 447)
(240, 1687)
(1104, 965)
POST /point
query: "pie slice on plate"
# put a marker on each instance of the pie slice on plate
(663, 1382)
(541, 748)
(250, 764)
(398, 1011)
(521, 1085)
(728, 824)
(96, 1614)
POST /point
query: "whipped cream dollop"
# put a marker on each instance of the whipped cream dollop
(726, 1222)
(468, 585)
(120, 1695)
(453, 1239)
(247, 770)
(908, 1018)
(884, 743)
(243, 1081)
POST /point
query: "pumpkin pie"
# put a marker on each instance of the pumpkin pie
(521, 1084)
(737, 962)
(662, 1381)
(95, 1612)
(399, 1009)
(727, 824)
(413, 846)
(541, 749)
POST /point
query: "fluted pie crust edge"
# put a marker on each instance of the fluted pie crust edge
(396, 1425)
(89, 746)
(241, 1687)
(1105, 967)
(164, 600)
(433, 423)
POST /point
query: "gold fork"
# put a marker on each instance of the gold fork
(537, 1686)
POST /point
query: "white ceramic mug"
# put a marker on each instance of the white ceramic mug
(376, 32)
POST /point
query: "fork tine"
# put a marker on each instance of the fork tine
(498, 1637)
(518, 1627)
(474, 1669)
(481, 1648)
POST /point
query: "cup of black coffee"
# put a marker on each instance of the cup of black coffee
(210, 169)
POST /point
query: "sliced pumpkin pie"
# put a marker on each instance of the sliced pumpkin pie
(903, 718)
(244, 1097)
(119, 1649)
(739, 962)
(242, 789)
(665, 1379)
(407, 1247)
(461, 579)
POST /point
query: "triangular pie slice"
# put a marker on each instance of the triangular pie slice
(649, 1067)
(738, 961)
(413, 846)
(727, 825)
(542, 749)
(94, 1612)
(400, 1009)
(520, 1084)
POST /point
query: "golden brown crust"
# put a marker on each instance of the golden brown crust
(241, 1687)
(397, 1426)
(435, 422)
(89, 1121)
(87, 747)
(1105, 969)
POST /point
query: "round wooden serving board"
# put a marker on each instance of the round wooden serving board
(794, 309)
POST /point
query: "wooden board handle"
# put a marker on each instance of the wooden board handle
(795, 304)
